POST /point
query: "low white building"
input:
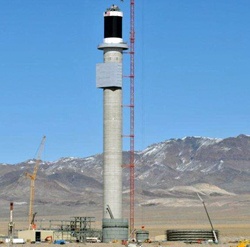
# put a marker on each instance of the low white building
(36, 235)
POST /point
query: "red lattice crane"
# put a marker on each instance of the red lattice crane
(132, 118)
(132, 115)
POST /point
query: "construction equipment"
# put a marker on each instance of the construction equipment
(110, 212)
(33, 225)
(32, 178)
(214, 232)
(11, 224)
(244, 243)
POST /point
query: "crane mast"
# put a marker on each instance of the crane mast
(132, 106)
(32, 177)
(132, 117)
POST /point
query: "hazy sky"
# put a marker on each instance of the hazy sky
(192, 73)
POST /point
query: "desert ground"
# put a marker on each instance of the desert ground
(230, 217)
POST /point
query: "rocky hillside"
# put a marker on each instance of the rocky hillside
(176, 168)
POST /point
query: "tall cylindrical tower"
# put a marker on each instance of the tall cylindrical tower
(109, 78)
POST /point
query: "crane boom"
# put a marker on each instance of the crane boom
(214, 233)
(32, 178)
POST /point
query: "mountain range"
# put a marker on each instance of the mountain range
(175, 168)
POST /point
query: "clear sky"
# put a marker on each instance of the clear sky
(192, 73)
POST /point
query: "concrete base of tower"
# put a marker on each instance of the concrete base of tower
(114, 229)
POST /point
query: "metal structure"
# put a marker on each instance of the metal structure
(195, 235)
(132, 115)
(110, 212)
(109, 78)
(213, 231)
(114, 229)
(33, 221)
(11, 224)
(142, 235)
(80, 228)
(77, 229)
(32, 178)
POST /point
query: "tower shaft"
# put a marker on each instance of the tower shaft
(112, 141)
(109, 78)
(112, 153)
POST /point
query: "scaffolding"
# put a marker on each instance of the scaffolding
(77, 229)
(81, 229)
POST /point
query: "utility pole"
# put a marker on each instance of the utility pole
(11, 224)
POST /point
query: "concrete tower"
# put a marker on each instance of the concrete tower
(109, 78)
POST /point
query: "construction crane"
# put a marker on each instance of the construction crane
(132, 116)
(213, 231)
(32, 178)
(110, 212)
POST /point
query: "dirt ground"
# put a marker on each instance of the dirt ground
(154, 244)
(231, 219)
